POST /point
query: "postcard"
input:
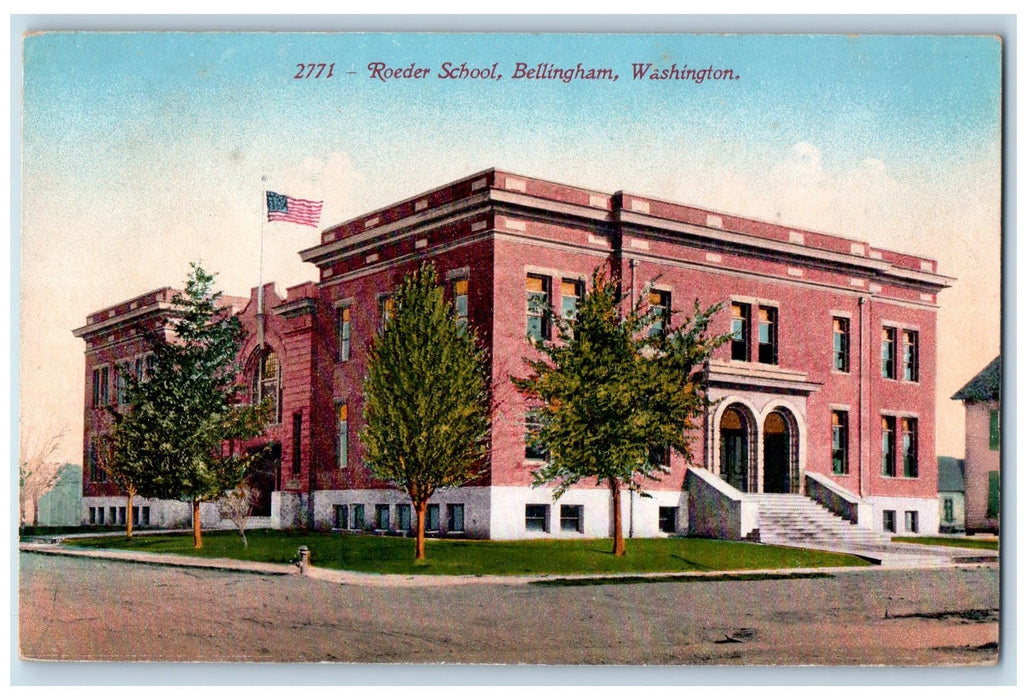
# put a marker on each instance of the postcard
(668, 349)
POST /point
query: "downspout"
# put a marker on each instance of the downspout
(631, 492)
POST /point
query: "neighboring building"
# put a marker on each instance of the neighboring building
(952, 516)
(830, 376)
(62, 505)
(981, 398)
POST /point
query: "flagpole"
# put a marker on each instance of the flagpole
(260, 266)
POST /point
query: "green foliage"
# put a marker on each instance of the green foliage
(171, 440)
(607, 391)
(426, 403)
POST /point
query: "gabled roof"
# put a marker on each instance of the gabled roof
(985, 386)
(950, 474)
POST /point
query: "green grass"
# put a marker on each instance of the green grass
(968, 542)
(393, 555)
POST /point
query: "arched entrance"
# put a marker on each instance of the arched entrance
(737, 430)
(265, 477)
(780, 453)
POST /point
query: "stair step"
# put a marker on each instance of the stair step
(798, 520)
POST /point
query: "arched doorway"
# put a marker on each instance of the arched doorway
(265, 477)
(736, 441)
(780, 463)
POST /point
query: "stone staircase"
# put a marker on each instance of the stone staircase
(794, 520)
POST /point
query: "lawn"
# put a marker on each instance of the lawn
(968, 542)
(394, 555)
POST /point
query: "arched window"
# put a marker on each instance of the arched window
(267, 384)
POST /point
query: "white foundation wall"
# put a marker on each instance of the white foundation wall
(475, 500)
(926, 509)
(286, 510)
(640, 516)
(163, 513)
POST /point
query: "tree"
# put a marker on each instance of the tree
(236, 506)
(177, 436)
(39, 470)
(426, 401)
(613, 390)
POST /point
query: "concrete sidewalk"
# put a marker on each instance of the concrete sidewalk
(899, 559)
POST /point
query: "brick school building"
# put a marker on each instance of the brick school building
(827, 388)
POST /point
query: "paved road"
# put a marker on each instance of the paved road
(110, 610)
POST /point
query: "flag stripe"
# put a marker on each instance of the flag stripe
(297, 211)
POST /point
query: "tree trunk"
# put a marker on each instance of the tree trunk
(197, 535)
(419, 508)
(35, 511)
(128, 516)
(618, 530)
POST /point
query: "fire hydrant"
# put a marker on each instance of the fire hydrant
(303, 562)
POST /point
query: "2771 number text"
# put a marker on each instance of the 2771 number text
(307, 70)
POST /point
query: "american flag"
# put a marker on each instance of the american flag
(281, 207)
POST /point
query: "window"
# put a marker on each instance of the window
(993, 494)
(570, 518)
(994, 428)
(386, 309)
(455, 517)
(267, 385)
(948, 510)
(113, 515)
(342, 332)
(840, 442)
(888, 353)
(767, 335)
(92, 515)
(889, 521)
(841, 344)
(381, 517)
(342, 436)
(912, 521)
(668, 519)
(121, 514)
(135, 515)
(97, 451)
(100, 513)
(909, 447)
(143, 368)
(358, 516)
(341, 520)
(571, 293)
(911, 356)
(659, 455)
(532, 426)
(403, 517)
(888, 445)
(659, 302)
(144, 519)
(431, 518)
(121, 380)
(537, 288)
(740, 316)
(536, 517)
(101, 386)
(297, 451)
(460, 302)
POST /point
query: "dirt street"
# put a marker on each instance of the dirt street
(104, 610)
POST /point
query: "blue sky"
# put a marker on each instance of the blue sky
(142, 152)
